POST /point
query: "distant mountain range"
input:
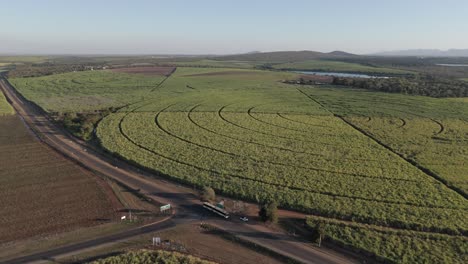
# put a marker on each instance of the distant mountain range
(426, 53)
(286, 56)
(304, 55)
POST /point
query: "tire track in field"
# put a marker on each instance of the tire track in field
(281, 115)
(249, 112)
(137, 102)
(251, 142)
(245, 157)
(189, 115)
(391, 121)
(439, 124)
(340, 147)
(442, 128)
(421, 168)
(253, 130)
(403, 122)
(377, 101)
(260, 144)
(418, 166)
(163, 81)
(269, 134)
(323, 157)
(286, 187)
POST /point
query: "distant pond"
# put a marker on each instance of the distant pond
(341, 74)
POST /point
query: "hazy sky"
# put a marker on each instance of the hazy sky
(219, 27)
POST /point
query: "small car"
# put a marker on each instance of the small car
(244, 219)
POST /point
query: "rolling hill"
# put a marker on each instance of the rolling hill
(286, 56)
(426, 53)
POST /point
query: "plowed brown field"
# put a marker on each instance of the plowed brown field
(159, 71)
(41, 192)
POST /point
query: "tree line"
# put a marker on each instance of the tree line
(427, 85)
(44, 69)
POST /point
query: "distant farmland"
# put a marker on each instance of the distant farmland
(150, 71)
(336, 66)
(22, 59)
(383, 164)
(86, 91)
(42, 192)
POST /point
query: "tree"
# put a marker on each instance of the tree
(263, 213)
(269, 212)
(320, 232)
(208, 194)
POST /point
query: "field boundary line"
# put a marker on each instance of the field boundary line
(281, 115)
(251, 114)
(264, 145)
(275, 163)
(410, 161)
(220, 114)
(164, 80)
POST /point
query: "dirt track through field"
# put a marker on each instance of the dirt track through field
(151, 71)
(222, 73)
(413, 163)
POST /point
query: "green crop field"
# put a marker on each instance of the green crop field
(460, 99)
(336, 66)
(5, 107)
(85, 91)
(432, 132)
(367, 158)
(396, 246)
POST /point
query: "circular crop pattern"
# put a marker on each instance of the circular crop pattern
(311, 163)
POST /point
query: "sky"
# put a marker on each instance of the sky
(227, 27)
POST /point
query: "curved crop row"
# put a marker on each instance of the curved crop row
(180, 144)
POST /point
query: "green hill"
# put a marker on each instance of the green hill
(287, 56)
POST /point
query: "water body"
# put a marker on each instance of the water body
(342, 74)
(453, 65)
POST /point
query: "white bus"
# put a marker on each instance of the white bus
(216, 210)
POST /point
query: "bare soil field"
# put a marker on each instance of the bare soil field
(43, 193)
(155, 71)
(223, 73)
